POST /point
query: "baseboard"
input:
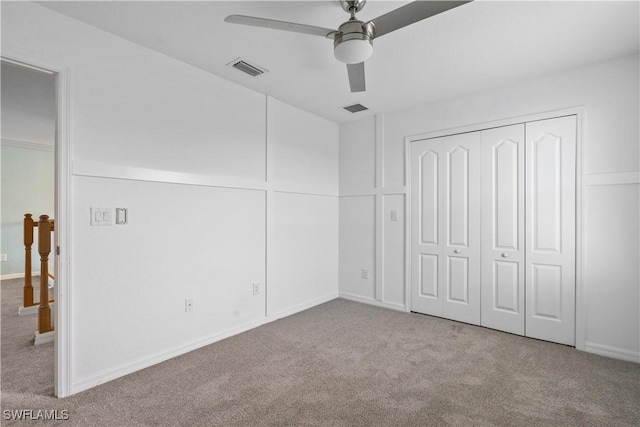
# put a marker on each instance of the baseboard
(17, 275)
(28, 311)
(301, 307)
(129, 368)
(614, 352)
(43, 338)
(371, 301)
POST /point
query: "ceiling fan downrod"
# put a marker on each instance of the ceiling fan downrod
(352, 6)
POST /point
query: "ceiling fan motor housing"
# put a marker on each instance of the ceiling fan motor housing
(354, 42)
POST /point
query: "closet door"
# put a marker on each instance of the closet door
(426, 243)
(460, 227)
(445, 186)
(503, 230)
(550, 234)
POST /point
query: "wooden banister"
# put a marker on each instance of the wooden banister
(45, 226)
(28, 242)
(28, 290)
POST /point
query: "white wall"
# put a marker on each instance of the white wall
(610, 288)
(186, 153)
(302, 208)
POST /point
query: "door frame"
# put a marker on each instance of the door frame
(62, 212)
(580, 113)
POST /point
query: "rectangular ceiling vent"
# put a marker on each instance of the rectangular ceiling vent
(246, 67)
(355, 108)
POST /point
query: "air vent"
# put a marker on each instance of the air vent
(246, 67)
(355, 108)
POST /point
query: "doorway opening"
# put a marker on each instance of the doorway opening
(35, 182)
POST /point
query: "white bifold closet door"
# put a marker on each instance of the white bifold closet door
(551, 229)
(446, 238)
(503, 229)
(493, 228)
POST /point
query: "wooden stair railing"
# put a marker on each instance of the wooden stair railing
(45, 227)
(28, 241)
(28, 290)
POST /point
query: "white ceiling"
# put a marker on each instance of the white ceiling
(475, 47)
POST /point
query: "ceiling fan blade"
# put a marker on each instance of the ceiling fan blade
(409, 14)
(280, 25)
(356, 77)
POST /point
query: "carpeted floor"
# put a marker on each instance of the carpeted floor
(338, 364)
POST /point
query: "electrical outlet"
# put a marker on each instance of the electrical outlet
(256, 288)
(3, 257)
(188, 305)
(122, 216)
(394, 215)
(365, 273)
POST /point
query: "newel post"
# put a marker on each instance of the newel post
(44, 248)
(28, 242)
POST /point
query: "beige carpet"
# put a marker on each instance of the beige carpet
(338, 364)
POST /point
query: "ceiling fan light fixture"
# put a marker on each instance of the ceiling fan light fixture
(353, 51)
(353, 43)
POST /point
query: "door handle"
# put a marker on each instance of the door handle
(505, 255)
(456, 251)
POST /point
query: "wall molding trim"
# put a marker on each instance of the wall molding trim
(614, 178)
(384, 191)
(106, 170)
(614, 352)
(527, 118)
(27, 145)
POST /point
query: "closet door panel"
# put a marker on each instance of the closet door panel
(428, 181)
(426, 250)
(429, 276)
(550, 269)
(503, 231)
(445, 174)
(461, 225)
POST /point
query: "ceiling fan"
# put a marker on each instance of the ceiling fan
(353, 40)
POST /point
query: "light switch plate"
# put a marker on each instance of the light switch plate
(101, 216)
(394, 215)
